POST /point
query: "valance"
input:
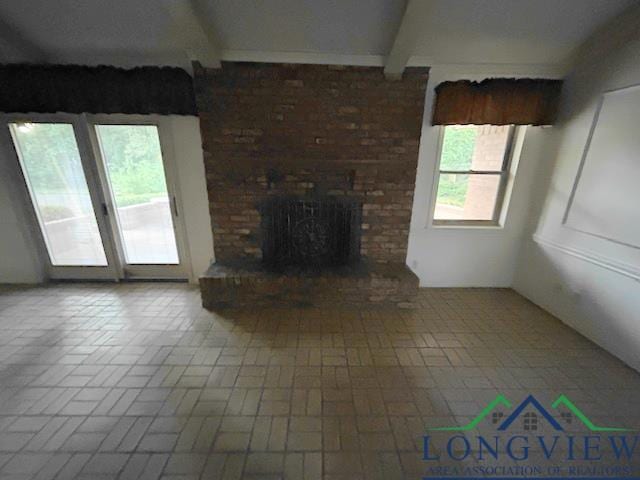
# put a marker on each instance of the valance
(102, 89)
(497, 101)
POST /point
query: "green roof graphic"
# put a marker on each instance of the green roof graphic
(502, 400)
(563, 400)
(499, 400)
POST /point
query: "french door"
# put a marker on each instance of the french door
(103, 195)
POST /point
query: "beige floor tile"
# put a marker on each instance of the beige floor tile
(138, 381)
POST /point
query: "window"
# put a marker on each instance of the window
(530, 421)
(474, 170)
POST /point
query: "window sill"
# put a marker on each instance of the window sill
(466, 226)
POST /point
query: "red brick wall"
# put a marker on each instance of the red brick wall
(272, 129)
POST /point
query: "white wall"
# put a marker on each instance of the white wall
(589, 282)
(192, 183)
(446, 256)
(20, 256)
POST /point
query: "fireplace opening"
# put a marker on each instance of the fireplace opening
(310, 232)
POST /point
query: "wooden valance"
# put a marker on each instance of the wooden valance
(102, 89)
(497, 101)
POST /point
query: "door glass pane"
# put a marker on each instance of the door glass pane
(466, 196)
(51, 165)
(133, 162)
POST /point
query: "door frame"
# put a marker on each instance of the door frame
(91, 159)
(66, 272)
(181, 271)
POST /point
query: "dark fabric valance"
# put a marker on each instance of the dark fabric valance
(497, 101)
(103, 89)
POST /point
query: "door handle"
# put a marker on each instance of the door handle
(175, 205)
(105, 210)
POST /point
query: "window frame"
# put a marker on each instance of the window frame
(501, 195)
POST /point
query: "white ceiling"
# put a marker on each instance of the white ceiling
(510, 31)
(131, 32)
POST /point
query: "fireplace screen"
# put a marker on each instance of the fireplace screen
(310, 232)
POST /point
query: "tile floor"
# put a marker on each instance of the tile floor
(138, 381)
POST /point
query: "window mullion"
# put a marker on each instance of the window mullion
(472, 172)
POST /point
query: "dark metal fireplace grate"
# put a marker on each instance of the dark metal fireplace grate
(310, 232)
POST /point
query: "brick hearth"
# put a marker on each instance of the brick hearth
(233, 286)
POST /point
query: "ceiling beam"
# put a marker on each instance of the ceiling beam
(16, 41)
(190, 29)
(405, 39)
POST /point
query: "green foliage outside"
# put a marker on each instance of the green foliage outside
(457, 152)
(452, 189)
(51, 158)
(134, 162)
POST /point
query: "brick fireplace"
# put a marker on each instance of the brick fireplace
(310, 232)
(336, 146)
